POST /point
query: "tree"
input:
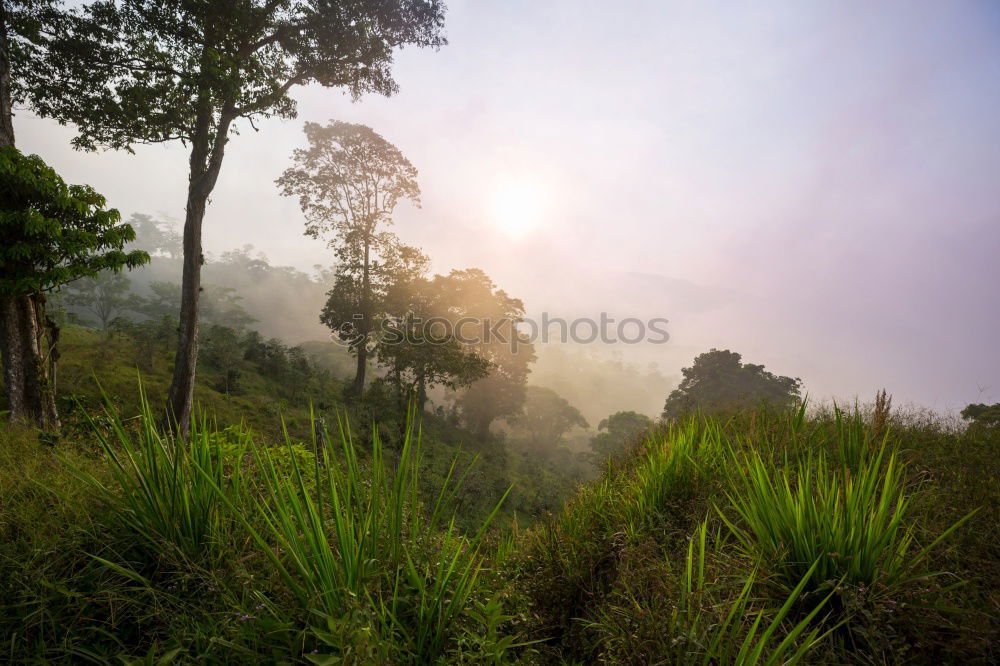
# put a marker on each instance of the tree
(106, 297)
(155, 236)
(417, 345)
(300, 371)
(719, 381)
(984, 416)
(547, 417)
(348, 183)
(152, 71)
(220, 305)
(223, 349)
(28, 337)
(617, 431)
(53, 233)
(486, 318)
(151, 338)
(21, 24)
(223, 308)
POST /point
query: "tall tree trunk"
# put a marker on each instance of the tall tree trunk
(26, 351)
(6, 115)
(207, 152)
(362, 349)
(22, 318)
(46, 354)
(16, 355)
(180, 399)
(358, 388)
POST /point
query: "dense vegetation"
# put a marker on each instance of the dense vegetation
(768, 536)
(188, 475)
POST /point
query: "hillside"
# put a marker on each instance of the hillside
(691, 549)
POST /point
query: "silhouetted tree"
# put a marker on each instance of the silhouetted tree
(150, 338)
(348, 182)
(219, 305)
(547, 416)
(617, 431)
(224, 351)
(719, 381)
(981, 415)
(152, 71)
(491, 318)
(157, 237)
(106, 297)
(417, 344)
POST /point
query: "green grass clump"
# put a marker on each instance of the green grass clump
(711, 642)
(351, 539)
(166, 491)
(848, 526)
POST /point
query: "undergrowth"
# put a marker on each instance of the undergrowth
(768, 537)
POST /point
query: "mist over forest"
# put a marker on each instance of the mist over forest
(391, 332)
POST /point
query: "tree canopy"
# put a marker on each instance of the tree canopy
(474, 297)
(546, 417)
(719, 381)
(348, 183)
(55, 233)
(617, 431)
(149, 71)
(982, 415)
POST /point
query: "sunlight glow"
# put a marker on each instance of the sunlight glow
(516, 208)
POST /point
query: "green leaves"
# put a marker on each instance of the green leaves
(55, 233)
(152, 71)
(731, 641)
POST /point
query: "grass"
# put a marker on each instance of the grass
(168, 493)
(356, 537)
(770, 537)
(826, 548)
(848, 526)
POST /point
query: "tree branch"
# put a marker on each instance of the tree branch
(273, 97)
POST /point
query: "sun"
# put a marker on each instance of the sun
(516, 208)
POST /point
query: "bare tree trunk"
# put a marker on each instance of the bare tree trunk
(6, 115)
(181, 396)
(16, 356)
(362, 349)
(13, 351)
(358, 388)
(46, 353)
(206, 161)
(23, 343)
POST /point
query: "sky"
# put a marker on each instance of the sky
(814, 185)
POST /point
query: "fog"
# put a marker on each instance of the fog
(811, 185)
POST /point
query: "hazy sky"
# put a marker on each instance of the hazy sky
(813, 184)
